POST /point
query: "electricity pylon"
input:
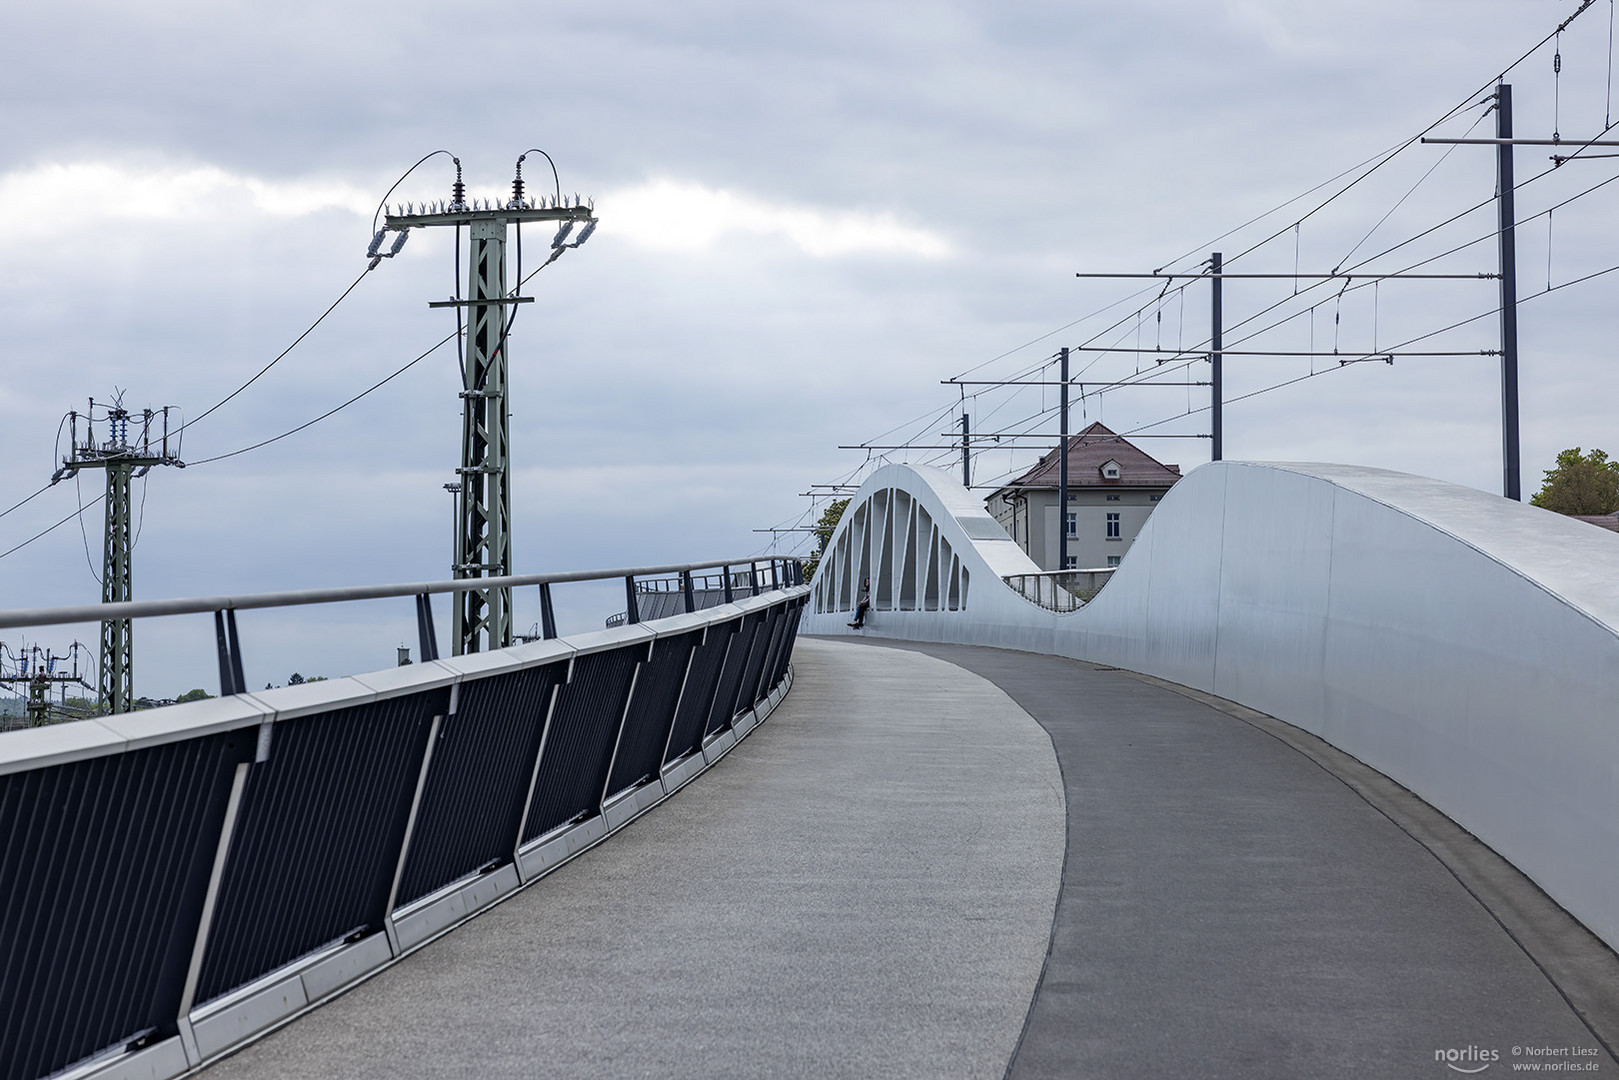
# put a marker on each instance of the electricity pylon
(35, 669)
(122, 457)
(482, 618)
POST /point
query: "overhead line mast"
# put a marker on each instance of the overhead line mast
(482, 618)
(122, 457)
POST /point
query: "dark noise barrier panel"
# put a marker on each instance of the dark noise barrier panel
(178, 881)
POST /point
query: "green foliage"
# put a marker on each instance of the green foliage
(822, 531)
(1587, 484)
(197, 694)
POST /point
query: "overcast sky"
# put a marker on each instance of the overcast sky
(810, 214)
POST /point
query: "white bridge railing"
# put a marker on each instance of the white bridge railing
(1060, 590)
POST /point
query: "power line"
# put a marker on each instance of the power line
(330, 412)
(234, 453)
(283, 353)
(26, 501)
(91, 505)
(1413, 140)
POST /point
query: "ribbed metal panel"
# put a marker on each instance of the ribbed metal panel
(318, 841)
(723, 709)
(784, 633)
(646, 727)
(103, 867)
(795, 613)
(776, 666)
(478, 780)
(580, 743)
(699, 693)
(764, 643)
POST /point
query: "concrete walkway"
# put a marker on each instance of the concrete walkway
(1231, 908)
(863, 888)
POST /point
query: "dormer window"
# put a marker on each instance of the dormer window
(1111, 470)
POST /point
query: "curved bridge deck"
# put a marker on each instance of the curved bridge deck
(869, 886)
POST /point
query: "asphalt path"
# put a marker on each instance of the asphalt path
(1236, 906)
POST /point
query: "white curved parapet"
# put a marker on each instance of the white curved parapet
(1463, 644)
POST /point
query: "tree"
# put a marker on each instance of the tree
(194, 695)
(822, 531)
(1587, 484)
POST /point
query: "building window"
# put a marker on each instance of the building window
(1112, 560)
(1113, 498)
(1071, 563)
(1073, 523)
(1113, 527)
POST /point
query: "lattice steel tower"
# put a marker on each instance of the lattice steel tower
(482, 618)
(122, 457)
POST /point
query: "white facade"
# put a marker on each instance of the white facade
(1094, 541)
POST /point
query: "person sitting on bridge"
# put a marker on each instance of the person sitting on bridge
(864, 605)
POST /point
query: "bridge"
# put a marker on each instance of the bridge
(1323, 781)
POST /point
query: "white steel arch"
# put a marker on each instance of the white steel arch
(1463, 644)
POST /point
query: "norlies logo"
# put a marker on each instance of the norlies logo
(1470, 1059)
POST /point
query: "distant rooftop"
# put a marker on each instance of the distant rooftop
(1089, 454)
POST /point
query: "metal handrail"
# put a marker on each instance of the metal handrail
(205, 604)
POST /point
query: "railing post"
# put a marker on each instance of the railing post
(775, 577)
(685, 588)
(632, 613)
(388, 926)
(548, 619)
(231, 680)
(226, 683)
(534, 775)
(725, 579)
(424, 627)
(216, 876)
(753, 577)
(618, 740)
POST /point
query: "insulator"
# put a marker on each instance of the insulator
(399, 242)
(562, 234)
(376, 241)
(517, 188)
(374, 263)
(584, 234)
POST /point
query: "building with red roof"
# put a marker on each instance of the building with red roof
(1113, 486)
